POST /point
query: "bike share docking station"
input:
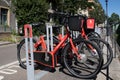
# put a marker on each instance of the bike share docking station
(44, 56)
(41, 56)
(29, 58)
(35, 56)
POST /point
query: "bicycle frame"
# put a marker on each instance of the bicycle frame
(90, 24)
(83, 34)
(72, 52)
(56, 48)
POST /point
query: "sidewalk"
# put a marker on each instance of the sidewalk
(114, 71)
(114, 68)
(4, 43)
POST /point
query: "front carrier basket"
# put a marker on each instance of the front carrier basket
(75, 23)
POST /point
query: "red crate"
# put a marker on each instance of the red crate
(90, 23)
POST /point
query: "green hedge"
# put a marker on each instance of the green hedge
(118, 35)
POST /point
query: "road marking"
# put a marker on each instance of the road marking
(1, 77)
(38, 75)
(7, 65)
(8, 71)
(17, 66)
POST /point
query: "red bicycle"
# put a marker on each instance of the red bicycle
(79, 59)
(87, 32)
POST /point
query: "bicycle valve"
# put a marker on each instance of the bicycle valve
(46, 57)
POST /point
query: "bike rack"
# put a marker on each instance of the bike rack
(49, 37)
(107, 34)
(49, 29)
(29, 57)
(62, 30)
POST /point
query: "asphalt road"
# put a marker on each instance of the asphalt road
(8, 54)
(9, 67)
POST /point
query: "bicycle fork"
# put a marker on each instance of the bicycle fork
(74, 49)
(86, 37)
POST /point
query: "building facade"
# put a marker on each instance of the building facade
(7, 18)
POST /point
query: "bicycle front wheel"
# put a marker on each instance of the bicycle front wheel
(90, 63)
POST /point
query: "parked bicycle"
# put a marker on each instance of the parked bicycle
(83, 61)
(96, 38)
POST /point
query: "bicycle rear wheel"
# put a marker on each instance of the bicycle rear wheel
(90, 63)
(106, 51)
(21, 54)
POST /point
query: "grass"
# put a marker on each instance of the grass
(12, 39)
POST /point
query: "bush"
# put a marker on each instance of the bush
(30, 11)
(118, 40)
(118, 35)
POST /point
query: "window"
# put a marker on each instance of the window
(3, 16)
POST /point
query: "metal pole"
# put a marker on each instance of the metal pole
(107, 34)
(106, 17)
(29, 55)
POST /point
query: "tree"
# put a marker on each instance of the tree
(113, 19)
(118, 35)
(30, 11)
(70, 6)
(98, 13)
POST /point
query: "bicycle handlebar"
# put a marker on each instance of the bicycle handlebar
(55, 13)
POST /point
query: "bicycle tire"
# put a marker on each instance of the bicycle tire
(93, 35)
(87, 65)
(104, 46)
(20, 55)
